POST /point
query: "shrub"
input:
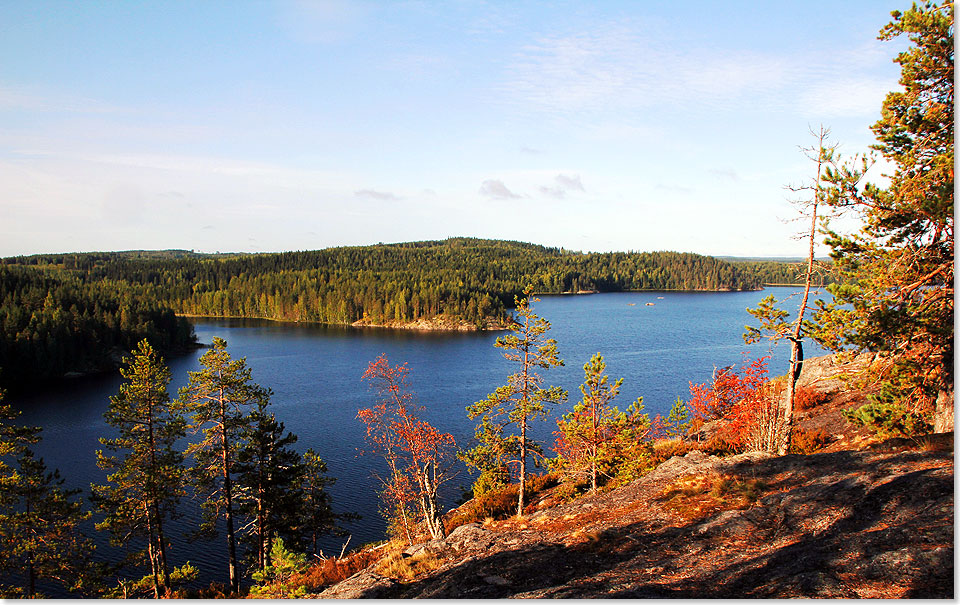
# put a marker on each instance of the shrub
(333, 570)
(807, 398)
(889, 420)
(808, 442)
(499, 503)
(747, 403)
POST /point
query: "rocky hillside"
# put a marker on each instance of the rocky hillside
(855, 520)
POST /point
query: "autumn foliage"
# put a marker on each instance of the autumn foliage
(415, 451)
(744, 399)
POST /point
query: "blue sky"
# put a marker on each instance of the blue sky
(285, 125)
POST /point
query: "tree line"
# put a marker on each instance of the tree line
(63, 313)
(468, 279)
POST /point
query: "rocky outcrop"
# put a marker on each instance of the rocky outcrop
(849, 524)
(439, 323)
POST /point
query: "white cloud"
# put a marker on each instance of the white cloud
(624, 70)
(383, 196)
(562, 185)
(497, 190)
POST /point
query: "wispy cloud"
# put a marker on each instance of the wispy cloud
(497, 190)
(562, 184)
(383, 196)
(624, 69)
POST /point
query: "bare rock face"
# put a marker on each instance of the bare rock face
(844, 524)
(362, 585)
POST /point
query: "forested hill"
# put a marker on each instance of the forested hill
(62, 313)
(468, 279)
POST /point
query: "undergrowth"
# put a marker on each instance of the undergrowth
(500, 503)
(697, 496)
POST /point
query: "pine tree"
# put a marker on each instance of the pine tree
(146, 480)
(895, 295)
(773, 319)
(219, 399)
(523, 398)
(592, 425)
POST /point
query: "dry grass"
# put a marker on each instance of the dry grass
(698, 496)
(403, 568)
(501, 503)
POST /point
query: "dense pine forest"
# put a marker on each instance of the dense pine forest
(55, 322)
(62, 313)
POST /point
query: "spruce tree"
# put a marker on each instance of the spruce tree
(269, 475)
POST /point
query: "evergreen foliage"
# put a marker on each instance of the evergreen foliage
(40, 537)
(219, 399)
(596, 440)
(53, 322)
(522, 399)
(896, 292)
(146, 484)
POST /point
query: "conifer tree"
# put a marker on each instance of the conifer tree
(895, 295)
(316, 516)
(219, 399)
(39, 519)
(774, 320)
(146, 476)
(269, 476)
(523, 398)
(593, 426)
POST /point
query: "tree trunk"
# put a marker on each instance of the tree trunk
(523, 466)
(796, 366)
(151, 551)
(943, 413)
(228, 514)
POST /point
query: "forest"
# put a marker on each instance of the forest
(63, 313)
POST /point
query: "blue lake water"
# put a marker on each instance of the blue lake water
(315, 373)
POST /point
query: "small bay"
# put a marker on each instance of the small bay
(658, 342)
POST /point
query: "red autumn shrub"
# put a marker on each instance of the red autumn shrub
(742, 398)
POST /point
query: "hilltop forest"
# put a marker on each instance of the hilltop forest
(62, 313)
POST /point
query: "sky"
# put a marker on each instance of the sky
(242, 126)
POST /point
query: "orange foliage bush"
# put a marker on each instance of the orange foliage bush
(744, 399)
(808, 442)
(806, 398)
(333, 570)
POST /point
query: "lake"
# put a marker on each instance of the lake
(315, 372)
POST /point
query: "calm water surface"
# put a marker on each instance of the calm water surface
(315, 372)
